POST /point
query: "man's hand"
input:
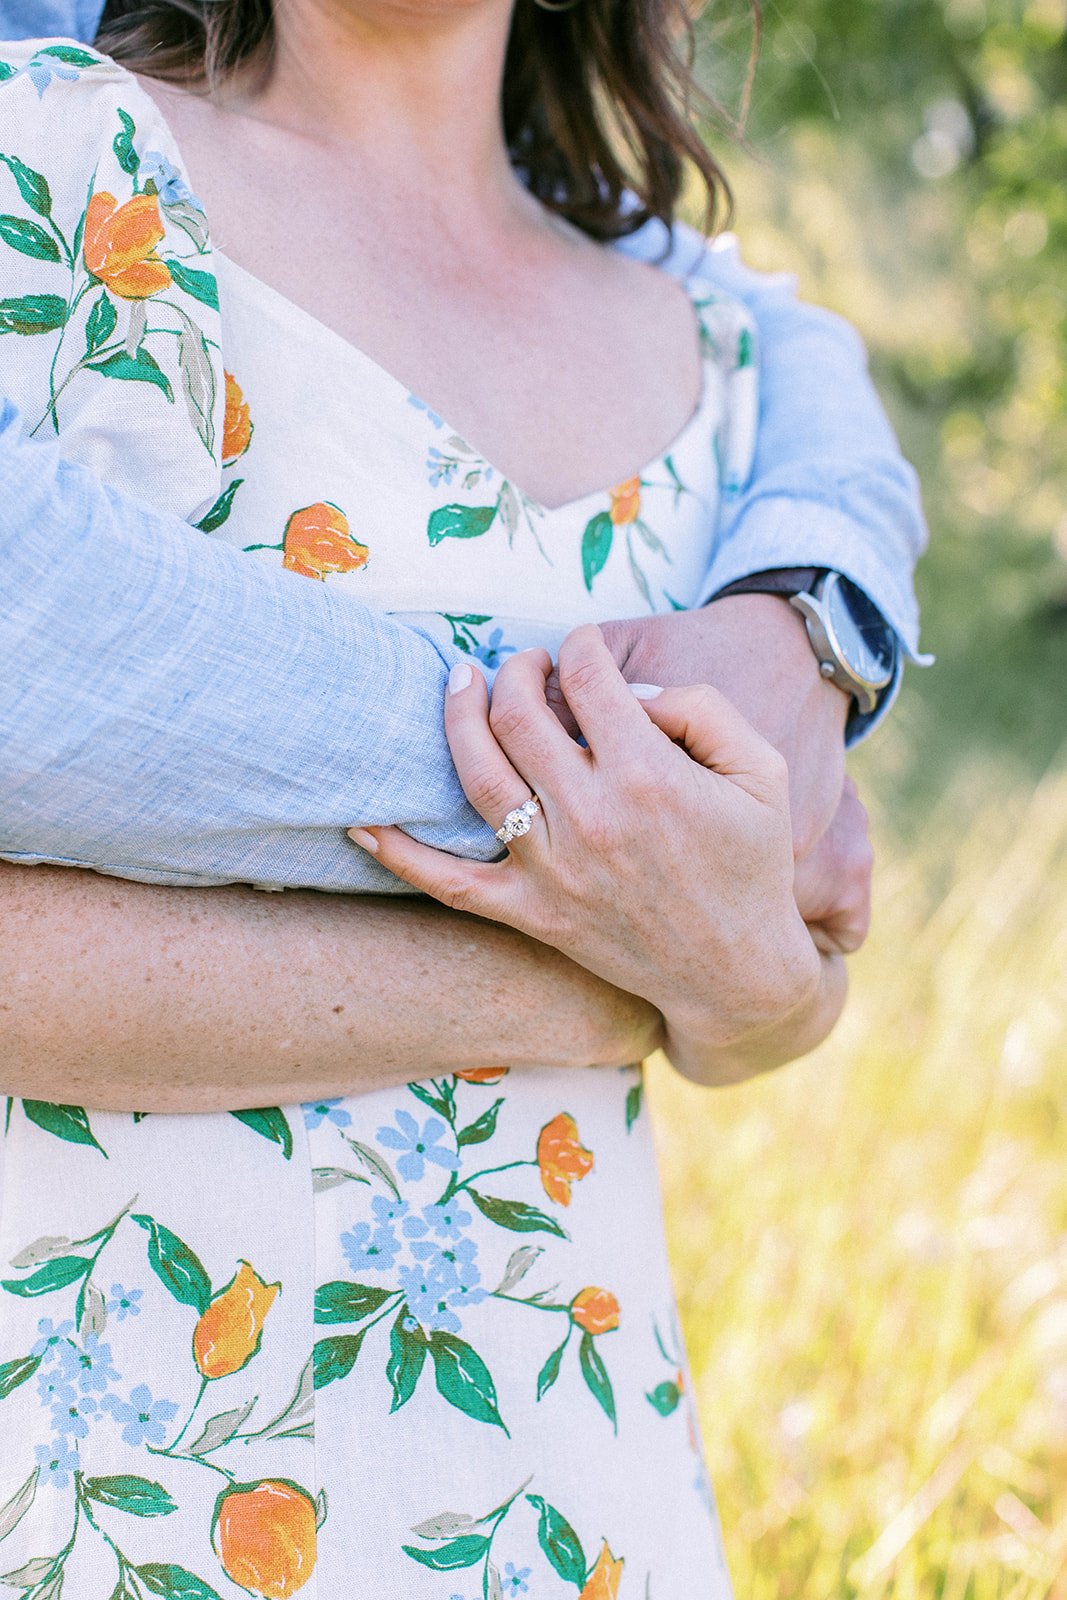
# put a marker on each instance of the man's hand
(754, 649)
(833, 882)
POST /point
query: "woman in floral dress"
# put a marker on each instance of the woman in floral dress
(415, 1341)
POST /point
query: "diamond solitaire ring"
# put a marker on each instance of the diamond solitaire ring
(517, 822)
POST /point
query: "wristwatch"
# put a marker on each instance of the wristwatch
(853, 643)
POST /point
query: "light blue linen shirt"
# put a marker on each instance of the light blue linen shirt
(177, 713)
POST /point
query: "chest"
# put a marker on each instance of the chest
(337, 471)
(565, 362)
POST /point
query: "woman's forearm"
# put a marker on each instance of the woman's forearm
(126, 996)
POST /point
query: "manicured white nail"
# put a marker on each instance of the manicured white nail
(645, 691)
(459, 677)
(365, 840)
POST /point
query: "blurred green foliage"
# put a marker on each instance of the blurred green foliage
(908, 159)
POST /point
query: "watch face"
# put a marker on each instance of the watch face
(864, 638)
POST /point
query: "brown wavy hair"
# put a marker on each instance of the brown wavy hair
(599, 98)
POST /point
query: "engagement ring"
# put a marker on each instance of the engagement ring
(517, 822)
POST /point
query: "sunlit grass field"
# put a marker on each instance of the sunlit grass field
(871, 1246)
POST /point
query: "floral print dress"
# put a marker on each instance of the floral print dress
(419, 1343)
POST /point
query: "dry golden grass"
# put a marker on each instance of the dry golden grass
(871, 1247)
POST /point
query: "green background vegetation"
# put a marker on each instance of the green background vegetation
(871, 1247)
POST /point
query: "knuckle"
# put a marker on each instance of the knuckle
(458, 895)
(509, 719)
(490, 791)
(579, 677)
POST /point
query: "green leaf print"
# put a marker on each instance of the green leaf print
(6, 71)
(101, 323)
(428, 1098)
(124, 1492)
(478, 1132)
(29, 238)
(407, 1353)
(58, 1274)
(596, 546)
(174, 1583)
(335, 1357)
(516, 1215)
(633, 1103)
(348, 1302)
(220, 511)
(123, 146)
(33, 186)
(12, 1373)
(596, 1377)
(32, 314)
(664, 1397)
(559, 1541)
(463, 1379)
(201, 285)
(465, 1552)
(70, 56)
(175, 1265)
(66, 1122)
(138, 368)
(550, 1371)
(271, 1123)
(459, 522)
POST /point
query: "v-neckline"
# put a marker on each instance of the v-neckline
(355, 353)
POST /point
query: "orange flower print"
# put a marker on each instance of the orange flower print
(264, 1536)
(120, 245)
(626, 501)
(237, 426)
(603, 1582)
(317, 541)
(562, 1158)
(595, 1310)
(482, 1074)
(229, 1332)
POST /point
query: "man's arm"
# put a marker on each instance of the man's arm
(175, 711)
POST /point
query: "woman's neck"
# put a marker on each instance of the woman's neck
(410, 91)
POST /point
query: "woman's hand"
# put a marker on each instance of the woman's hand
(662, 857)
(833, 881)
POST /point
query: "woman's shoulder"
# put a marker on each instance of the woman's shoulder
(105, 260)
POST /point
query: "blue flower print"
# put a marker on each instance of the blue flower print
(89, 1367)
(42, 69)
(493, 651)
(446, 1220)
(443, 1282)
(57, 1461)
(55, 1388)
(418, 1145)
(143, 1418)
(426, 1289)
(72, 1417)
(51, 1335)
(439, 468)
(388, 1211)
(318, 1111)
(515, 1579)
(123, 1302)
(170, 185)
(370, 1250)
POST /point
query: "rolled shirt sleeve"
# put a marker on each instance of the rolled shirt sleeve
(175, 712)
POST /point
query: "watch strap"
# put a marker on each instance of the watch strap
(786, 581)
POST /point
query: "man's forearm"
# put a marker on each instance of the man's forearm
(126, 996)
(176, 710)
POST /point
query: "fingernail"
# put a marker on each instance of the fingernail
(365, 840)
(459, 677)
(645, 691)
